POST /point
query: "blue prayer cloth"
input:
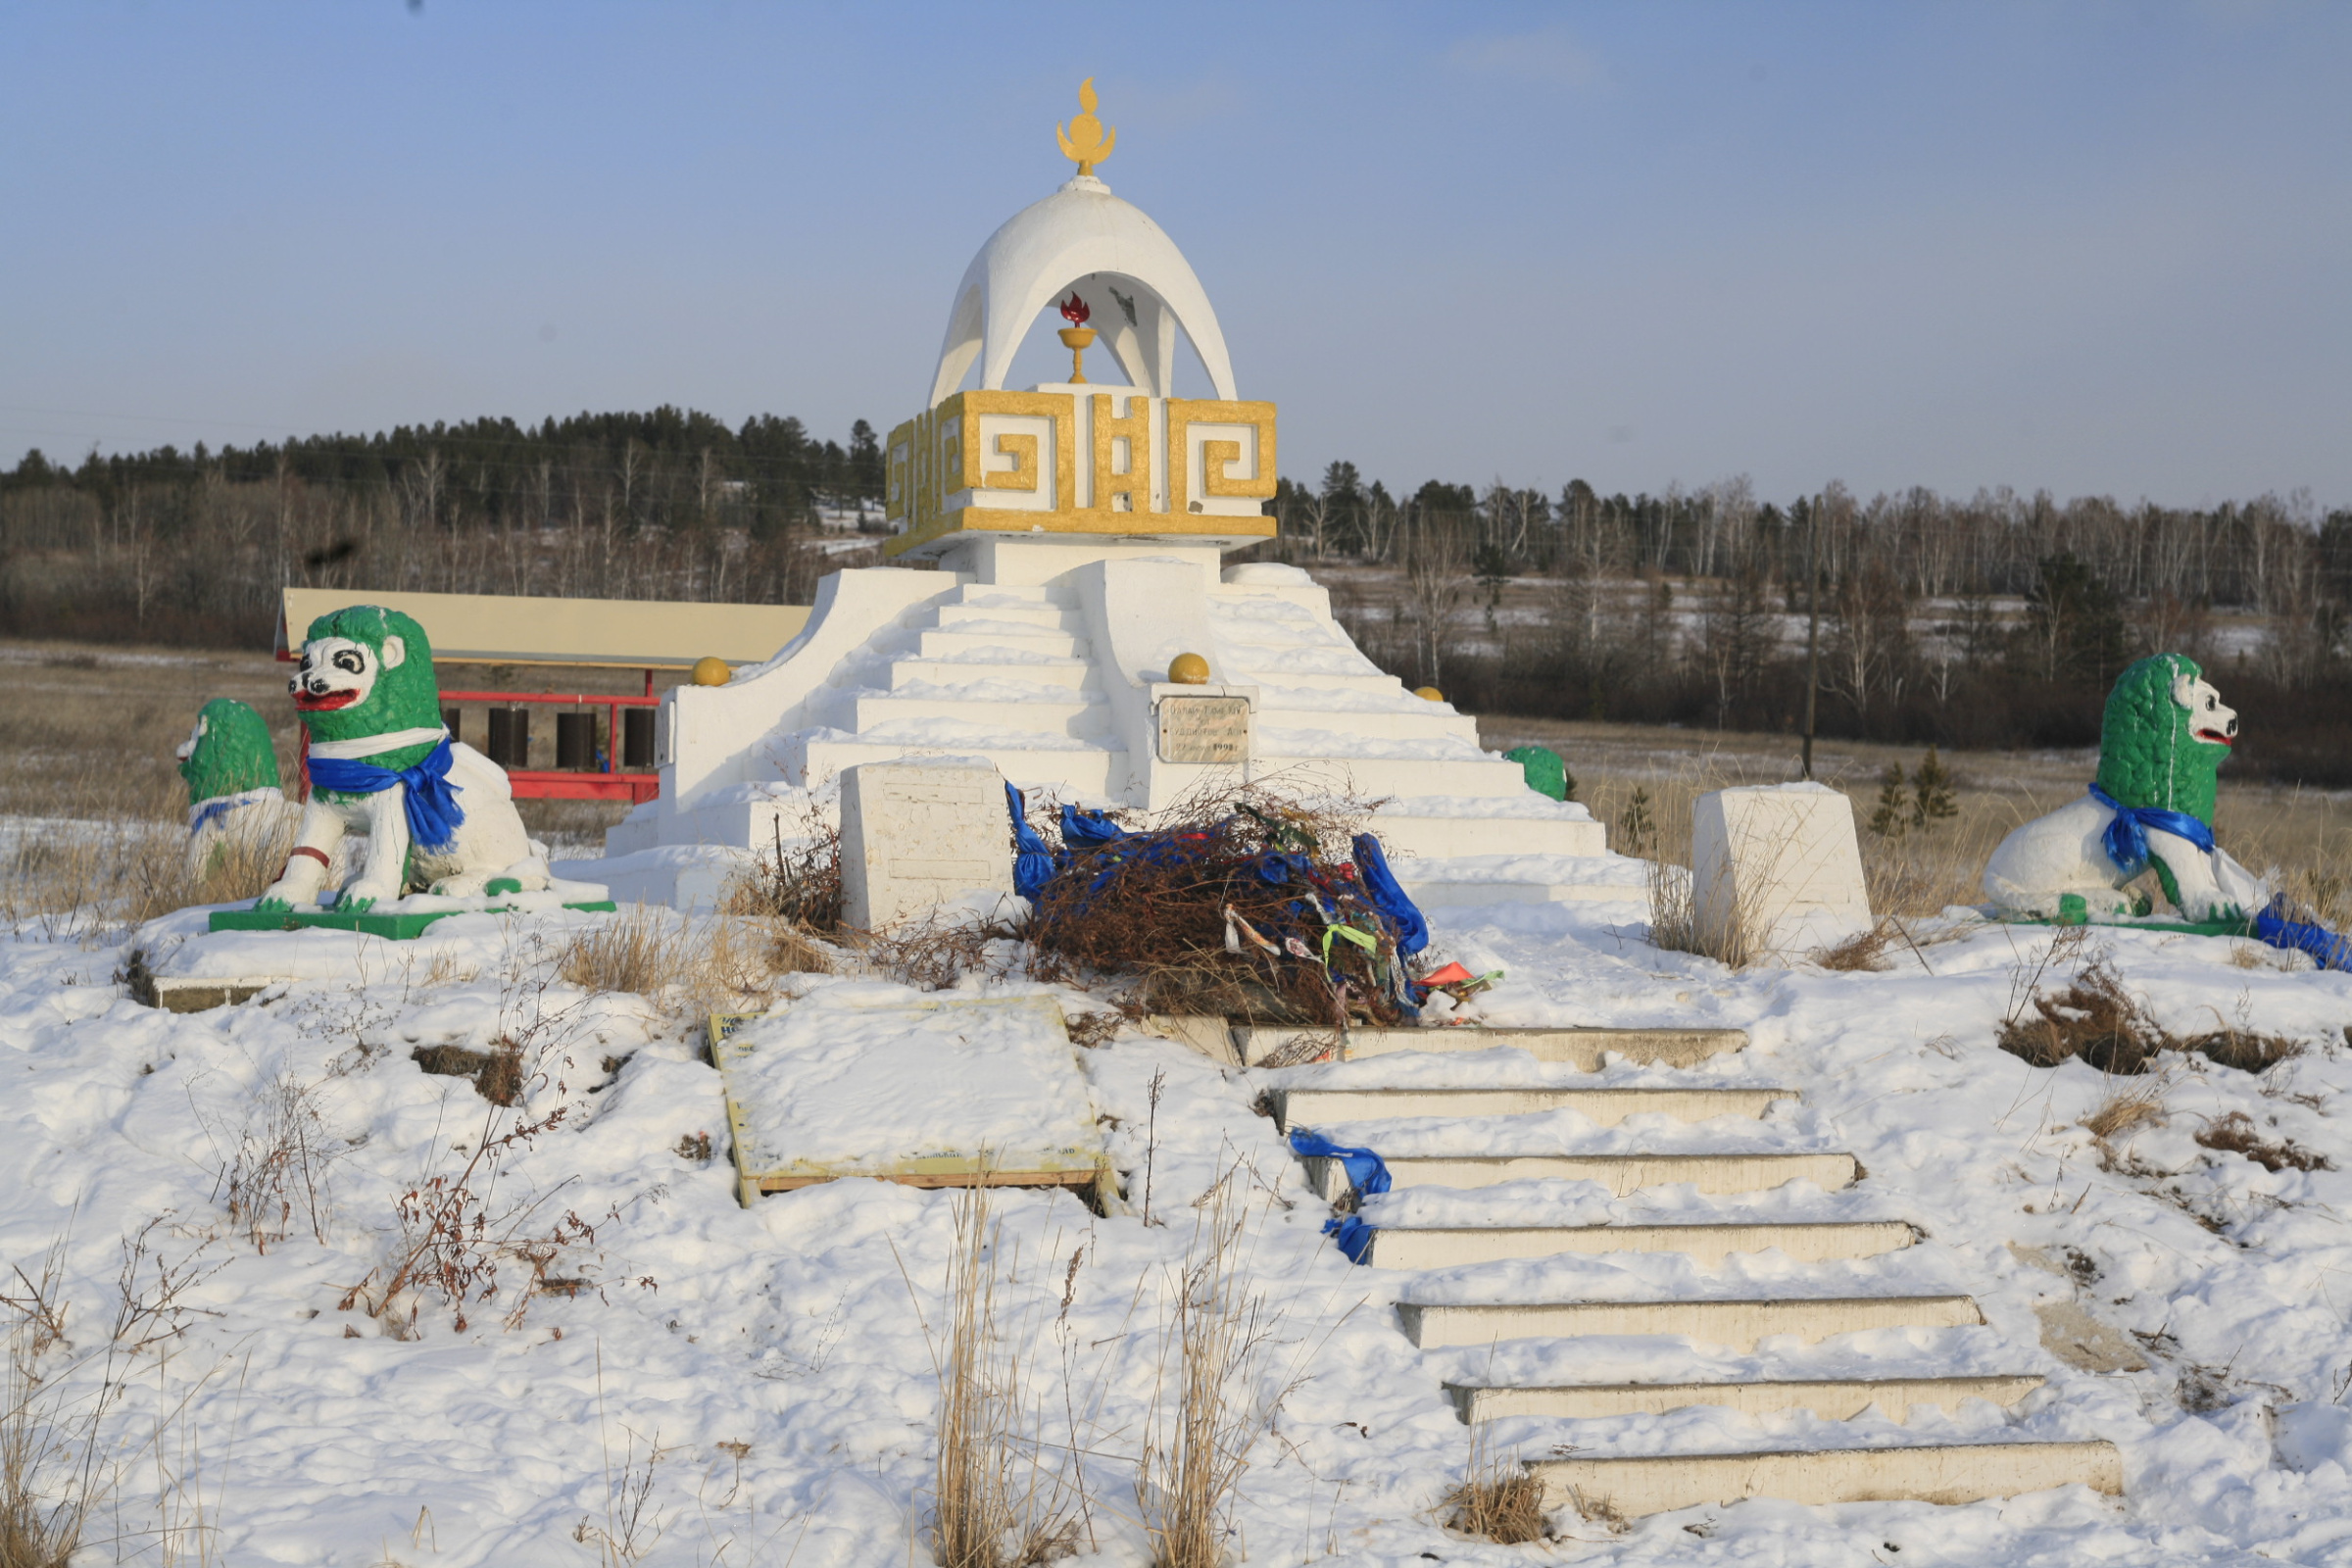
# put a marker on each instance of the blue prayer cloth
(1412, 929)
(1367, 1172)
(2329, 951)
(2127, 837)
(1032, 862)
(431, 800)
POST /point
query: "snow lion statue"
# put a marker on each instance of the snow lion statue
(233, 798)
(382, 764)
(2164, 734)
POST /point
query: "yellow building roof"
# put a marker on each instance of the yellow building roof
(497, 630)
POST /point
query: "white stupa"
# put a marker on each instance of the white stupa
(1074, 536)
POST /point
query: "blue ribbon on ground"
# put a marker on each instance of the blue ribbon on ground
(2333, 951)
(2127, 837)
(1367, 1173)
(1033, 864)
(431, 800)
(1389, 896)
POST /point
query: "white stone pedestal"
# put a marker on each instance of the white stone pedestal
(915, 835)
(1775, 870)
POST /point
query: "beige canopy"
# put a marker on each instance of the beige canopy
(630, 633)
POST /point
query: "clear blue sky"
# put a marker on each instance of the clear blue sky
(2093, 247)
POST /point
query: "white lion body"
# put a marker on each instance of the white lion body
(2063, 853)
(489, 845)
(251, 822)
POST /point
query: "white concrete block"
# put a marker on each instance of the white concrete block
(917, 835)
(1776, 870)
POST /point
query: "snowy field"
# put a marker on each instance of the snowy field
(755, 1386)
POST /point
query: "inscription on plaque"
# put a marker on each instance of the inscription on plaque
(1205, 730)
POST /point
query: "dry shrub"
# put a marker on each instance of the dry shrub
(800, 885)
(2093, 1019)
(2236, 1134)
(1212, 1404)
(1497, 1499)
(996, 1504)
(1168, 909)
(278, 1175)
(929, 954)
(1864, 950)
(2125, 1109)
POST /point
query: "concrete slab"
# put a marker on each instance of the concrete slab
(1943, 1473)
(1814, 1242)
(1831, 1399)
(1620, 1173)
(1736, 1324)
(1603, 1108)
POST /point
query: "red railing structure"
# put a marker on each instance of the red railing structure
(606, 783)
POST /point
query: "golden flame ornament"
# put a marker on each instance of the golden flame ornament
(1084, 141)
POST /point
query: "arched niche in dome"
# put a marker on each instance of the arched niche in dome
(1082, 239)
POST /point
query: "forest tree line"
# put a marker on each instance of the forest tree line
(1997, 620)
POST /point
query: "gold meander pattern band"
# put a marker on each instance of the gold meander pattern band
(940, 455)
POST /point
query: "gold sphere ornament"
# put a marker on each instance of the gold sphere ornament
(712, 671)
(1431, 693)
(1187, 669)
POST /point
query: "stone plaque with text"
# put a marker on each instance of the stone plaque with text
(1205, 730)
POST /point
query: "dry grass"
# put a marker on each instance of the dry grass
(1498, 1499)
(799, 884)
(2093, 1018)
(705, 965)
(2236, 1134)
(278, 1178)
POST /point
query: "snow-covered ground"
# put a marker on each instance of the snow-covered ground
(775, 1361)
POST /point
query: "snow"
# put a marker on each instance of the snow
(797, 1329)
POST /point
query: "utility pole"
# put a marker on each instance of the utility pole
(1812, 626)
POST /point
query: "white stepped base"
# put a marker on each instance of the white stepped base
(1831, 1399)
(681, 876)
(1364, 777)
(1944, 1473)
(1735, 1324)
(1081, 769)
(1603, 1108)
(1708, 1244)
(1071, 716)
(1524, 878)
(1435, 835)
(1622, 1174)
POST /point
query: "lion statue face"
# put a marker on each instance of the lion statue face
(365, 671)
(2164, 734)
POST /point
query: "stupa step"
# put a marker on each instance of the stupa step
(1578, 1048)
(1005, 596)
(1391, 775)
(1524, 878)
(1380, 724)
(1831, 1399)
(1942, 1473)
(1622, 1174)
(1735, 1324)
(1270, 672)
(1447, 837)
(1603, 1108)
(1707, 1245)
(1074, 674)
(1077, 770)
(969, 643)
(1069, 714)
(1044, 617)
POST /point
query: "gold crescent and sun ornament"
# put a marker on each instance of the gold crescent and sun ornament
(1084, 141)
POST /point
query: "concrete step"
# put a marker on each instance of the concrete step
(1707, 1245)
(1428, 722)
(1737, 1324)
(1526, 878)
(1622, 1174)
(1071, 673)
(1831, 1399)
(1411, 833)
(1944, 1473)
(1048, 616)
(1006, 594)
(1578, 1048)
(1074, 771)
(1603, 1108)
(966, 644)
(1363, 776)
(1071, 714)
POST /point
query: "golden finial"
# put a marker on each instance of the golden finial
(1085, 142)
